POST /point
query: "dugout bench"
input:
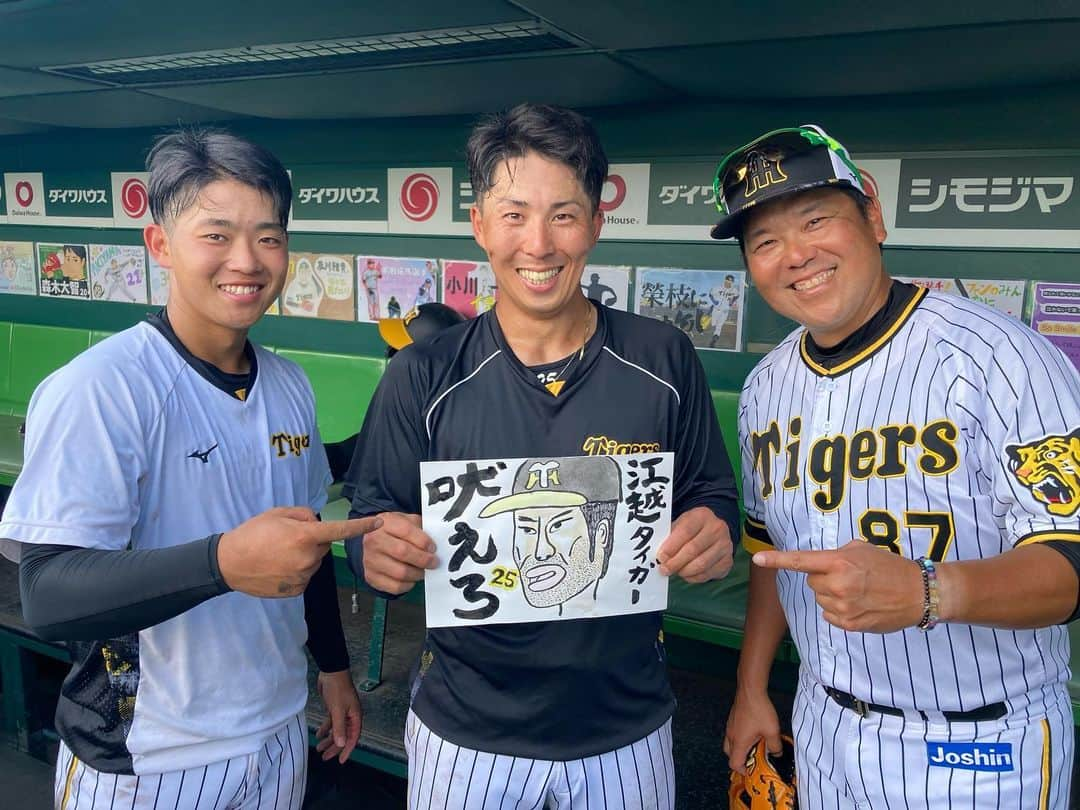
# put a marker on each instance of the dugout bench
(711, 613)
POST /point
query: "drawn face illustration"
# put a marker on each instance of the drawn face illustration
(554, 554)
(74, 266)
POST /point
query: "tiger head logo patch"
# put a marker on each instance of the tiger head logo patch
(1050, 468)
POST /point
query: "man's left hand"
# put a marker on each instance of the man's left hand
(340, 731)
(698, 548)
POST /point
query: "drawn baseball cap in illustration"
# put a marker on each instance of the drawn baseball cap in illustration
(547, 482)
(775, 164)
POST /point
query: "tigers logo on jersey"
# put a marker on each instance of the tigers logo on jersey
(1050, 468)
(286, 443)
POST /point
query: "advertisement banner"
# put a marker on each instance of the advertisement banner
(338, 199)
(131, 201)
(24, 193)
(421, 200)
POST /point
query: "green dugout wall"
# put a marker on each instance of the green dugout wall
(1029, 121)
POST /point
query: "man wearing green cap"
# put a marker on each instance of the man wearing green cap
(901, 454)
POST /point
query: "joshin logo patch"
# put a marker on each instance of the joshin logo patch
(970, 756)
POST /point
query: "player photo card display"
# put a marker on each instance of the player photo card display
(17, 273)
(63, 271)
(1005, 296)
(469, 288)
(608, 284)
(157, 282)
(708, 305)
(388, 287)
(1055, 315)
(319, 285)
(545, 538)
(118, 273)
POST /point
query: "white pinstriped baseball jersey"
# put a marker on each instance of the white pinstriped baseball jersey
(947, 437)
(122, 446)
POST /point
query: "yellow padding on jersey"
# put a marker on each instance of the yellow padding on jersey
(1044, 793)
(1054, 534)
(67, 781)
(755, 536)
(753, 545)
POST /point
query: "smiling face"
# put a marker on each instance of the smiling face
(227, 255)
(817, 260)
(552, 552)
(537, 226)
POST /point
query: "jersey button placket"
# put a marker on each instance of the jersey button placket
(820, 427)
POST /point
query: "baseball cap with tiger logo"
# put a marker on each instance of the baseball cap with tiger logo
(775, 164)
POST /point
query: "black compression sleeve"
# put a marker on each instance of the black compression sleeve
(86, 594)
(1071, 552)
(326, 637)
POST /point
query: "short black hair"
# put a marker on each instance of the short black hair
(596, 512)
(78, 250)
(184, 162)
(862, 202)
(556, 133)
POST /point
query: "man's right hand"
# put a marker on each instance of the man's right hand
(275, 553)
(396, 555)
(752, 717)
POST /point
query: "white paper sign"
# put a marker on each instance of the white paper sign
(546, 538)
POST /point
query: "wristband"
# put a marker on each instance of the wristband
(931, 602)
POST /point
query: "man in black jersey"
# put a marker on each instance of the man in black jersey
(896, 449)
(570, 711)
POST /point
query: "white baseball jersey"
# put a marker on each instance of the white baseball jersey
(128, 446)
(946, 437)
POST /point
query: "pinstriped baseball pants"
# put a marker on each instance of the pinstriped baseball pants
(444, 776)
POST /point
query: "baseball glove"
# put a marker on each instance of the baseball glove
(769, 783)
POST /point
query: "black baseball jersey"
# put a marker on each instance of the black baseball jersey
(545, 690)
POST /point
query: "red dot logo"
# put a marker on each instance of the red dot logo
(609, 202)
(419, 197)
(869, 183)
(134, 197)
(24, 193)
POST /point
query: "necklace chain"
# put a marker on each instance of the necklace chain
(580, 353)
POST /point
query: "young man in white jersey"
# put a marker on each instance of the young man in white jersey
(911, 500)
(169, 531)
(569, 713)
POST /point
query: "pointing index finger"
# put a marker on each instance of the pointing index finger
(807, 562)
(331, 530)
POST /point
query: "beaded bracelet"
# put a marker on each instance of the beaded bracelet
(931, 602)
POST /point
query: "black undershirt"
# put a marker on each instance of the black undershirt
(79, 594)
(900, 295)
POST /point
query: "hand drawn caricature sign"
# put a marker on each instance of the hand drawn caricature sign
(541, 539)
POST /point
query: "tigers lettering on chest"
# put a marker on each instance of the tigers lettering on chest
(833, 460)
